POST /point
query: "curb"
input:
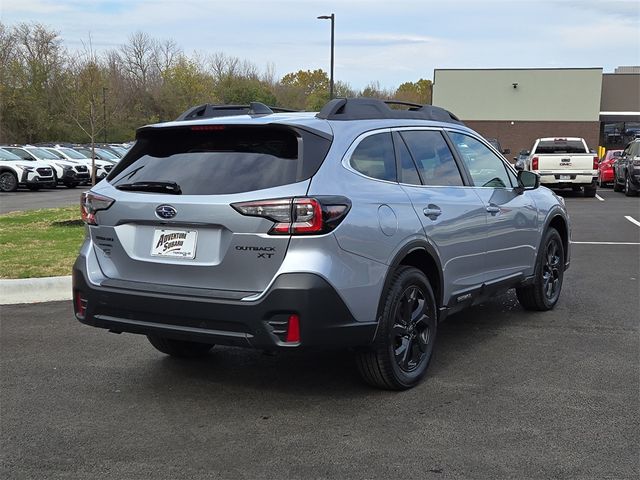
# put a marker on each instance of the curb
(35, 290)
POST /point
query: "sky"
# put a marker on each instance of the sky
(386, 41)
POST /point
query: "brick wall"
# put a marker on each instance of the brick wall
(521, 135)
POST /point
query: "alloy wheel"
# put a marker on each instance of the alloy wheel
(551, 271)
(411, 331)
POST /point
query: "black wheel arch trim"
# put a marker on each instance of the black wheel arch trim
(554, 213)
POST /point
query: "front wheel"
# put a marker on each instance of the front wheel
(544, 292)
(8, 182)
(628, 189)
(402, 350)
(179, 348)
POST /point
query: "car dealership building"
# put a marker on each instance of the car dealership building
(516, 106)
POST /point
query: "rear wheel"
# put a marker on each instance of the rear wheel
(8, 182)
(179, 348)
(590, 191)
(628, 188)
(403, 347)
(544, 292)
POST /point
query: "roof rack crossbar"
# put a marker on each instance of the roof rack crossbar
(375, 109)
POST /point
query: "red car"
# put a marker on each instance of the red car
(605, 167)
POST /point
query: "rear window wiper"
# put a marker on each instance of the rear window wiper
(158, 187)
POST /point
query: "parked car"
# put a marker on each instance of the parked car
(565, 163)
(605, 167)
(16, 171)
(496, 144)
(626, 170)
(359, 226)
(102, 167)
(522, 160)
(100, 154)
(66, 173)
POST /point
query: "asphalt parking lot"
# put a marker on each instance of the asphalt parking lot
(509, 394)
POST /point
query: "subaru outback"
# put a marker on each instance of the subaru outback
(360, 227)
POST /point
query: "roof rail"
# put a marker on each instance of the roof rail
(373, 108)
(210, 110)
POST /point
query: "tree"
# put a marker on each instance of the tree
(305, 89)
(416, 92)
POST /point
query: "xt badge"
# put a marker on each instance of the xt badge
(263, 252)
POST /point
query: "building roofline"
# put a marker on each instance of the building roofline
(521, 69)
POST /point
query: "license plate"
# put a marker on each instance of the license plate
(565, 177)
(174, 243)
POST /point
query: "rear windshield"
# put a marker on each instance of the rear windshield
(561, 146)
(214, 160)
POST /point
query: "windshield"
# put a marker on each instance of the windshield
(5, 155)
(41, 153)
(56, 153)
(222, 160)
(107, 154)
(122, 151)
(71, 153)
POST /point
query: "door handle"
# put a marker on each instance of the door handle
(493, 209)
(432, 211)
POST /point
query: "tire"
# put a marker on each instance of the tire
(628, 190)
(590, 191)
(402, 350)
(616, 185)
(544, 292)
(33, 188)
(179, 348)
(8, 182)
(71, 185)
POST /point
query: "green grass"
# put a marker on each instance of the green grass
(40, 243)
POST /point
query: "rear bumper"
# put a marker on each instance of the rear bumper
(567, 179)
(187, 314)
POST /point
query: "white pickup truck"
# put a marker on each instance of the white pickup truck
(564, 163)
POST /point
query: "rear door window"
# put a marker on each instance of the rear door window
(216, 160)
(433, 157)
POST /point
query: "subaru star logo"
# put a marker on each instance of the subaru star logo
(166, 211)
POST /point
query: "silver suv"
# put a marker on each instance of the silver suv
(357, 227)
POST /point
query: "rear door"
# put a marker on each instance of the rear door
(452, 214)
(196, 238)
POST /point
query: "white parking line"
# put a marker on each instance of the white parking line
(605, 243)
(632, 220)
(599, 198)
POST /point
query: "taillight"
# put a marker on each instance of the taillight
(90, 203)
(595, 162)
(534, 163)
(300, 215)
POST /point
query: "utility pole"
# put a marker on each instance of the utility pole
(104, 112)
(331, 17)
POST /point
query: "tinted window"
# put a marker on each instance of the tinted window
(408, 171)
(228, 160)
(374, 157)
(41, 153)
(486, 169)
(7, 155)
(560, 145)
(432, 156)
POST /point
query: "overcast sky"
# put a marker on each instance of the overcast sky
(389, 41)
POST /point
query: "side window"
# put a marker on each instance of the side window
(408, 172)
(374, 157)
(486, 169)
(24, 155)
(435, 161)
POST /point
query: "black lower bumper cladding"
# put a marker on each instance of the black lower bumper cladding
(325, 321)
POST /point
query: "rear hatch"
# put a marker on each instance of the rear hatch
(172, 222)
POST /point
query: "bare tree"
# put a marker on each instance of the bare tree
(167, 54)
(137, 58)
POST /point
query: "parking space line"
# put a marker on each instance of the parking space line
(605, 243)
(632, 220)
(599, 198)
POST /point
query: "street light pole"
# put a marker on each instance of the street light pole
(104, 112)
(331, 17)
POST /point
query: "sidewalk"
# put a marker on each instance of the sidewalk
(35, 290)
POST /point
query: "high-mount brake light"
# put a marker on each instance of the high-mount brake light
(90, 203)
(534, 163)
(299, 215)
(207, 128)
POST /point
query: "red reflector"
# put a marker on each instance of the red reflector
(81, 305)
(206, 128)
(293, 329)
(534, 163)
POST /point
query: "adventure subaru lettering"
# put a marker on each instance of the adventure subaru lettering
(171, 241)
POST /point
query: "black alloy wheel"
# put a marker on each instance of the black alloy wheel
(403, 347)
(551, 276)
(8, 182)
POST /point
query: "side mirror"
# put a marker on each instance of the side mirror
(506, 151)
(528, 180)
(519, 166)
